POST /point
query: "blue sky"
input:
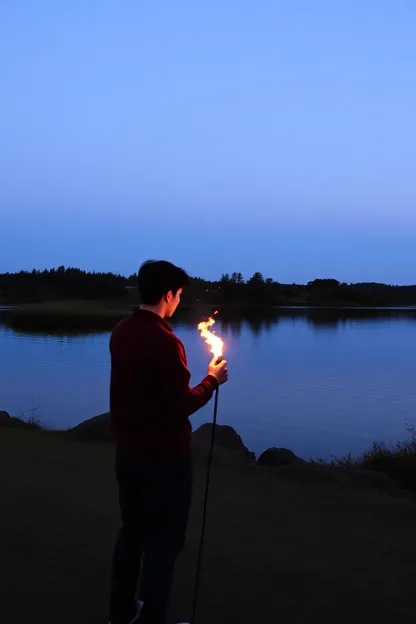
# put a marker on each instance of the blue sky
(277, 136)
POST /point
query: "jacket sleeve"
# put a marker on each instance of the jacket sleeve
(175, 377)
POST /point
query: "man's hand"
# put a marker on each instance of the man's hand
(218, 370)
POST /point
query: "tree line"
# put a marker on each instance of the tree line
(231, 288)
(60, 283)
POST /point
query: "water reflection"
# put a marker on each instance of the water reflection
(333, 318)
(260, 320)
(230, 327)
(257, 325)
(231, 320)
(56, 333)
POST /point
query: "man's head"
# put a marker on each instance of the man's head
(161, 284)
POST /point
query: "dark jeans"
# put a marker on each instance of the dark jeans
(154, 500)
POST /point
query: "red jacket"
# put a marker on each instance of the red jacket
(150, 396)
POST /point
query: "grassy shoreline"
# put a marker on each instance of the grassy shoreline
(398, 462)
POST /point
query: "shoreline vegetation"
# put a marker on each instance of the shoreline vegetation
(68, 283)
(391, 467)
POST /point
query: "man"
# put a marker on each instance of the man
(150, 403)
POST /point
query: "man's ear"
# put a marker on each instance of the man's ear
(168, 297)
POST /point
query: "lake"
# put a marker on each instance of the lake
(321, 382)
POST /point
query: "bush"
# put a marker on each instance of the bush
(398, 461)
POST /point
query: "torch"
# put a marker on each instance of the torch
(216, 347)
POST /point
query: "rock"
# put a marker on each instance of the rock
(228, 444)
(97, 428)
(279, 457)
(16, 423)
(225, 436)
(4, 419)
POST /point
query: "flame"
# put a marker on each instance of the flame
(215, 343)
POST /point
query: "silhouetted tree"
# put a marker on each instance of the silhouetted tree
(257, 278)
(237, 278)
(73, 283)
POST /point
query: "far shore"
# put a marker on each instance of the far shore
(80, 305)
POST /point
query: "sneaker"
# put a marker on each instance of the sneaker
(139, 608)
(136, 617)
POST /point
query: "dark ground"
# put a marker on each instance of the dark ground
(277, 551)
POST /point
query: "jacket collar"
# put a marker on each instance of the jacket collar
(151, 317)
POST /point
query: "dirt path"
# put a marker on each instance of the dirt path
(277, 551)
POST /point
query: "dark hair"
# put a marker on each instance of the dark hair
(157, 278)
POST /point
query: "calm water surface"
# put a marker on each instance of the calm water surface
(317, 381)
